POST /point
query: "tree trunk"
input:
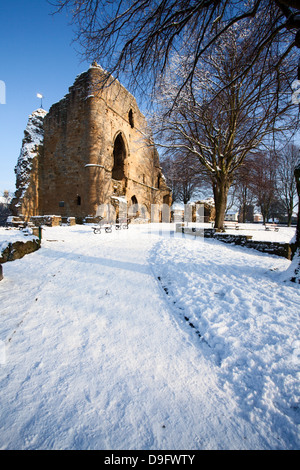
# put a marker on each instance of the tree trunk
(295, 267)
(297, 176)
(220, 188)
(244, 213)
(264, 212)
(290, 213)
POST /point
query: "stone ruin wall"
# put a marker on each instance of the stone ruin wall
(85, 133)
(66, 147)
(78, 171)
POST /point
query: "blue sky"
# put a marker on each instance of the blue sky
(36, 56)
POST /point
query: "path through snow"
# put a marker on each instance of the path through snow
(97, 357)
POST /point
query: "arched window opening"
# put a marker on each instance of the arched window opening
(166, 199)
(134, 208)
(158, 181)
(130, 118)
(78, 200)
(119, 158)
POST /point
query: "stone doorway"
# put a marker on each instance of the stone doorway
(118, 171)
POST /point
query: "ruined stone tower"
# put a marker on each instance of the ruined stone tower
(94, 152)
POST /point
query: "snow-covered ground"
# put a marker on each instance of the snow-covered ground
(147, 339)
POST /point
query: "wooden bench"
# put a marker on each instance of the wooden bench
(272, 227)
(122, 223)
(234, 225)
(107, 226)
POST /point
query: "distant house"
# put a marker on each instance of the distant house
(208, 212)
(257, 217)
(232, 216)
(199, 211)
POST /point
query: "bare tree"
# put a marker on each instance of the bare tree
(286, 181)
(293, 273)
(228, 113)
(243, 193)
(263, 182)
(184, 176)
(139, 37)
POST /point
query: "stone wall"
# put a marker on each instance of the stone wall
(18, 249)
(50, 220)
(94, 148)
(272, 248)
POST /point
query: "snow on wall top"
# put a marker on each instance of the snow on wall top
(33, 138)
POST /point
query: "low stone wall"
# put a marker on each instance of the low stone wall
(139, 220)
(68, 220)
(272, 248)
(90, 219)
(50, 220)
(19, 249)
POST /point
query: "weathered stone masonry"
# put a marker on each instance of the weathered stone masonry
(94, 152)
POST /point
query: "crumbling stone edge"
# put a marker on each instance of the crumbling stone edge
(19, 249)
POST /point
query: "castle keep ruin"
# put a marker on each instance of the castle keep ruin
(89, 150)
